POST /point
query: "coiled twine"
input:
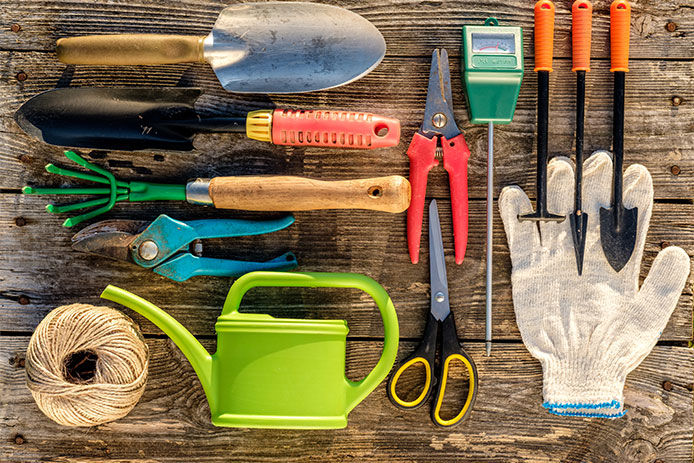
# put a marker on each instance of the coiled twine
(86, 365)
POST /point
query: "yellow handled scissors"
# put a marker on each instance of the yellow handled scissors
(440, 319)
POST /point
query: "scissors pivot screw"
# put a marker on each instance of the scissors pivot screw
(148, 250)
(440, 297)
(439, 120)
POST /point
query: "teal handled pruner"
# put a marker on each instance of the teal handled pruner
(250, 192)
(163, 245)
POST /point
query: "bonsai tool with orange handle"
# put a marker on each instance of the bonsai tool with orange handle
(255, 47)
(251, 193)
(618, 224)
(581, 15)
(438, 138)
(544, 38)
(137, 118)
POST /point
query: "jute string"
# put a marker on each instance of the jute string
(101, 334)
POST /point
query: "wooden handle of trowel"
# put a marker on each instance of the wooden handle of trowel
(252, 193)
(130, 49)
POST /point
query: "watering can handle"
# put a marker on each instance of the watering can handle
(356, 390)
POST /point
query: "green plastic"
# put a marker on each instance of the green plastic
(116, 192)
(277, 372)
(492, 76)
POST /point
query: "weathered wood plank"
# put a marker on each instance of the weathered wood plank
(410, 27)
(36, 256)
(658, 134)
(507, 423)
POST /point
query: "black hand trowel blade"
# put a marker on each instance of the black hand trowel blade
(618, 237)
(579, 227)
(127, 119)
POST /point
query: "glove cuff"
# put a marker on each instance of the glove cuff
(580, 389)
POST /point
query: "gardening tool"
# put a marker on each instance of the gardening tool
(618, 224)
(277, 372)
(163, 245)
(251, 193)
(265, 47)
(440, 319)
(438, 137)
(165, 119)
(581, 15)
(544, 38)
(492, 62)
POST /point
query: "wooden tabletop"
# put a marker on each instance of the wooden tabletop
(39, 271)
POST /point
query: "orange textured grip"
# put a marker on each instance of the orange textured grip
(581, 18)
(620, 23)
(544, 35)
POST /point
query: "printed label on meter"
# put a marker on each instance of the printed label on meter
(493, 43)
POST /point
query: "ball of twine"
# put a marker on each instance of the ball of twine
(86, 365)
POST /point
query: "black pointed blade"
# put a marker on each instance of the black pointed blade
(618, 242)
(127, 119)
(109, 238)
(579, 227)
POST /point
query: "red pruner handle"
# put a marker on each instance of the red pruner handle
(422, 154)
(455, 158)
(339, 129)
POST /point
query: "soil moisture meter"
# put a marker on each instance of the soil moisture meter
(493, 70)
(492, 65)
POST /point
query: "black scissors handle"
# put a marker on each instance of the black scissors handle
(424, 354)
(450, 351)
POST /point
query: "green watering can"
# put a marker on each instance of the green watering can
(277, 372)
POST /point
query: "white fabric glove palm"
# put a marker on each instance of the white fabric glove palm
(588, 331)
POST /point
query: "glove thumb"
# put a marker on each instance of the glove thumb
(661, 289)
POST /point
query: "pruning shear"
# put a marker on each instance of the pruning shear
(438, 128)
(440, 326)
(163, 245)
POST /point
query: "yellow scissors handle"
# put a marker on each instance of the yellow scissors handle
(424, 354)
(451, 350)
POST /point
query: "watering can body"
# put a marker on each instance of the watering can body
(277, 372)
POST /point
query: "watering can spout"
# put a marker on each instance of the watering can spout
(191, 348)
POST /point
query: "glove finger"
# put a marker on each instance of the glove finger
(522, 237)
(650, 311)
(596, 193)
(560, 201)
(638, 193)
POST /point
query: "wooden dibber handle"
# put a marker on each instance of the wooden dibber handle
(131, 49)
(277, 193)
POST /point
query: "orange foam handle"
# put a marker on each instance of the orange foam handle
(620, 24)
(544, 35)
(343, 129)
(581, 18)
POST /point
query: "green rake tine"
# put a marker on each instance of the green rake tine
(53, 169)
(74, 157)
(62, 208)
(72, 221)
(27, 190)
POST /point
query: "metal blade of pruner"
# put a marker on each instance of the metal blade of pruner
(438, 112)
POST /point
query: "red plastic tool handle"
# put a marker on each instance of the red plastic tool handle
(344, 129)
(581, 19)
(422, 154)
(620, 24)
(455, 158)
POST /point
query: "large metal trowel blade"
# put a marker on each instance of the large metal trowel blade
(127, 119)
(291, 47)
(618, 241)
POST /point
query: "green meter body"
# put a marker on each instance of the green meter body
(492, 61)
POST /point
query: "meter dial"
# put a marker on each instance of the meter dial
(493, 43)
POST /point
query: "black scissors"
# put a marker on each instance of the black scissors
(439, 316)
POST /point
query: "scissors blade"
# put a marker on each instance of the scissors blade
(437, 266)
(438, 112)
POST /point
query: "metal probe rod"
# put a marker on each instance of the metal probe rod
(490, 235)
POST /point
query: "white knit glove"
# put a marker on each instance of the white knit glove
(588, 331)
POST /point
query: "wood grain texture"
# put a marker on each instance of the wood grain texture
(339, 241)
(39, 271)
(171, 423)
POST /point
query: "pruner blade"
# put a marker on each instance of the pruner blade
(109, 238)
(438, 113)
